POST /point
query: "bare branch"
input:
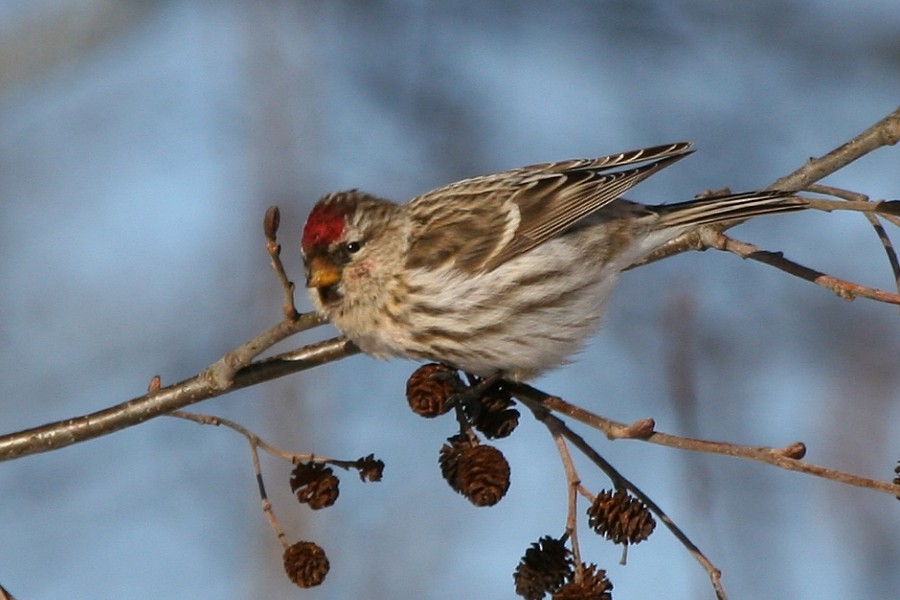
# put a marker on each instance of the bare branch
(885, 132)
(255, 440)
(873, 220)
(367, 467)
(787, 458)
(847, 290)
(274, 523)
(4, 595)
(573, 482)
(222, 372)
(196, 389)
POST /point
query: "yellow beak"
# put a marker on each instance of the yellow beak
(321, 272)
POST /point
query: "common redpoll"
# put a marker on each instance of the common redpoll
(504, 274)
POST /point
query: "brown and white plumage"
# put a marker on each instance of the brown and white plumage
(504, 273)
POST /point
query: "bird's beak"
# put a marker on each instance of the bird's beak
(321, 272)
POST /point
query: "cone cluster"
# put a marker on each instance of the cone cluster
(492, 414)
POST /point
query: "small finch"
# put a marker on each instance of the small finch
(500, 275)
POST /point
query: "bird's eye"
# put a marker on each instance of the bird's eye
(353, 247)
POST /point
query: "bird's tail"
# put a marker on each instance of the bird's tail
(729, 207)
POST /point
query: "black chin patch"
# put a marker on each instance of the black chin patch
(329, 294)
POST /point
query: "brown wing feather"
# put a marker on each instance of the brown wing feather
(548, 198)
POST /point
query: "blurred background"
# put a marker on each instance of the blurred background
(140, 143)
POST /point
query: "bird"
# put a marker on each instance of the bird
(503, 275)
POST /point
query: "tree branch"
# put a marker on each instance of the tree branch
(885, 132)
(788, 458)
(153, 404)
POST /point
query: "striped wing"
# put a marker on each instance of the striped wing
(483, 222)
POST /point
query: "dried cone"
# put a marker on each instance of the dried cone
(897, 478)
(620, 517)
(449, 459)
(593, 585)
(545, 566)
(493, 414)
(430, 388)
(315, 484)
(305, 564)
(370, 468)
(482, 475)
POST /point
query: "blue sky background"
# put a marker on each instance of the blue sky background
(140, 143)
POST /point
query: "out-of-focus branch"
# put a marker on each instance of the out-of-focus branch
(44, 36)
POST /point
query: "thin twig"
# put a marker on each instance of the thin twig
(255, 440)
(857, 203)
(873, 220)
(788, 458)
(264, 498)
(271, 222)
(573, 482)
(360, 464)
(847, 290)
(222, 372)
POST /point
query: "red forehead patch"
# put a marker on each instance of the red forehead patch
(324, 225)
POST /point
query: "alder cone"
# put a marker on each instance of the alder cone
(449, 459)
(482, 475)
(620, 517)
(315, 484)
(544, 568)
(493, 414)
(305, 564)
(594, 585)
(430, 388)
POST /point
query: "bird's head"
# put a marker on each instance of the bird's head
(329, 243)
(335, 241)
